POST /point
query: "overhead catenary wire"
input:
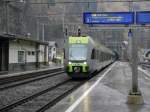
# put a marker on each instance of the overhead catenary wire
(85, 2)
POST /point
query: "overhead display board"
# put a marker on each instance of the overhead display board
(108, 18)
(143, 17)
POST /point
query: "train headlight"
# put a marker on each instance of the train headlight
(69, 62)
(85, 63)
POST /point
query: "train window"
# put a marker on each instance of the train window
(105, 56)
(93, 54)
(101, 56)
(97, 54)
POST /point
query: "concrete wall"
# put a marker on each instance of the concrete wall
(52, 53)
(41, 53)
(15, 46)
(30, 58)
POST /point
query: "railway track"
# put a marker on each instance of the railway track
(26, 75)
(45, 96)
(48, 97)
(145, 65)
(14, 92)
(28, 80)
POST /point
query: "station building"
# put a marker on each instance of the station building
(52, 46)
(19, 53)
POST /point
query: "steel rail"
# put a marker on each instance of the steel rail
(84, 2)
(51, 89)
(60, 97)
(24, 100)
(30, 80)
(25, 75)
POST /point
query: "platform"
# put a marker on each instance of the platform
(26, 72)
(107, 92)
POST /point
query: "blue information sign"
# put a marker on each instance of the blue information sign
(143, 17)
(108, 18)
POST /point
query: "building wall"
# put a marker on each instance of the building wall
(30, 53)
(16, 46)
(41, 54)
(47, 59)
(2, 15)
(52, 53)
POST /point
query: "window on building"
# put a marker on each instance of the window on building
(21, 56)
(29, 52)
(33, 53)
(51, 3)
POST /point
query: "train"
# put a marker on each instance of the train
(83, 56)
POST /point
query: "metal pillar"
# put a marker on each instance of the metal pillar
(43, 32)
(79, 31)
(134, 57)
(37, 33)
(7, 16)
(134, 65)
(135, 96)
(37, 56)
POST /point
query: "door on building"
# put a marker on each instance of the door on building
(4, 55)
(0, 57)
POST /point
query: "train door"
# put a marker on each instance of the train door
(3, 55)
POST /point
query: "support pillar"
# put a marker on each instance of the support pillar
(135, 96)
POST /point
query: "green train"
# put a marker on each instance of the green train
(83, 56)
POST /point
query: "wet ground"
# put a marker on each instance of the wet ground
(109, 95)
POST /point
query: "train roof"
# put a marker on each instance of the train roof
(78, 40)
(86, 40)
(100, 46)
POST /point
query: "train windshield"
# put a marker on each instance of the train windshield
(77, 52)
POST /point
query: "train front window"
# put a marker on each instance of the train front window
(77, 52)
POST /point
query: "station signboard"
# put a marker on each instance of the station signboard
(108, 18)
(143, 17)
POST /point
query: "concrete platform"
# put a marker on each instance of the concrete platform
(18, 73)
(107, 92)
